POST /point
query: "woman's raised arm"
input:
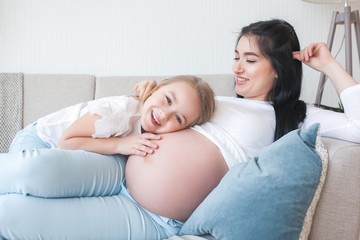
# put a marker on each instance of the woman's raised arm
(318, 57)
(335, 125)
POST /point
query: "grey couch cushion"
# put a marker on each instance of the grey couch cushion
(119, 85)
(46, 93)
(222, 84)
(337, 215)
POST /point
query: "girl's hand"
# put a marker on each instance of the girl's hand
(316, 56)
(143, 89)
(140, 144)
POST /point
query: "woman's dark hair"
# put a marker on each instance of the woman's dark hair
(276, 40)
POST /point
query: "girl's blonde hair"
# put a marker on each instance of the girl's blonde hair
(203, 90)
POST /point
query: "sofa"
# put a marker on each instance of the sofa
(337, 215)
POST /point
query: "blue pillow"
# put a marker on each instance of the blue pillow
(270, 197)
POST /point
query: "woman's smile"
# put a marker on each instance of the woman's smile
(241, 80)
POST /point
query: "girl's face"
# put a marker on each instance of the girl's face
(254, 73)
(170, 108)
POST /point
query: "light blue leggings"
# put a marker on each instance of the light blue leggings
(64, 194)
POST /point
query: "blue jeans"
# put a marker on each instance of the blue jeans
(68, 194)
(27, 138)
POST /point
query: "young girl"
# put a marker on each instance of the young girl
(121, 124)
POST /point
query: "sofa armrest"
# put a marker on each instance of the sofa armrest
(337, 215)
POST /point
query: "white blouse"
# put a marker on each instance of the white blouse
(120, 117)
(241, 127)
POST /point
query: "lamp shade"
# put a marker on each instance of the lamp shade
(328, 1)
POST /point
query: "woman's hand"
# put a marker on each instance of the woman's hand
(140, 144)
(143, 89)
(318, 57)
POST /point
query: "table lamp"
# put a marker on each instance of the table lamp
(346, 18)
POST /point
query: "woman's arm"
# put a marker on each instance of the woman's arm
(79, 136)
(336, 125)
(344, 126)
(318, 57)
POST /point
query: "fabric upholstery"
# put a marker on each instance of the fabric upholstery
(11, 107)
(338, 212)
(46, 93)
(112, 86)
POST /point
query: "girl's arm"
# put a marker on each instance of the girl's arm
(318, 57)
(79, 136)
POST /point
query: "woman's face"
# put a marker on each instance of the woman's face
(254, 73)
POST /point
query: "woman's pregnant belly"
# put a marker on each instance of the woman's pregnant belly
(174, 180)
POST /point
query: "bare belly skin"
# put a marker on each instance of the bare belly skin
(174, 180)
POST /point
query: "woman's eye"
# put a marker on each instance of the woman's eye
(168, 100)
(178, 118)
(250, 61)
(236, 58)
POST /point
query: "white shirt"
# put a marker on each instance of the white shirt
(120, 118)
(241, 127)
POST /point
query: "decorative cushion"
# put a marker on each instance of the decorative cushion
(270, 197)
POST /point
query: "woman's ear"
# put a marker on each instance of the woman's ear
(276, 75)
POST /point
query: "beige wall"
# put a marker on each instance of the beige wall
(148, 37)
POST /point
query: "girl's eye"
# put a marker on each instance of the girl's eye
(178, 118)
(250, 61)
(168, 100)
(236, 58)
